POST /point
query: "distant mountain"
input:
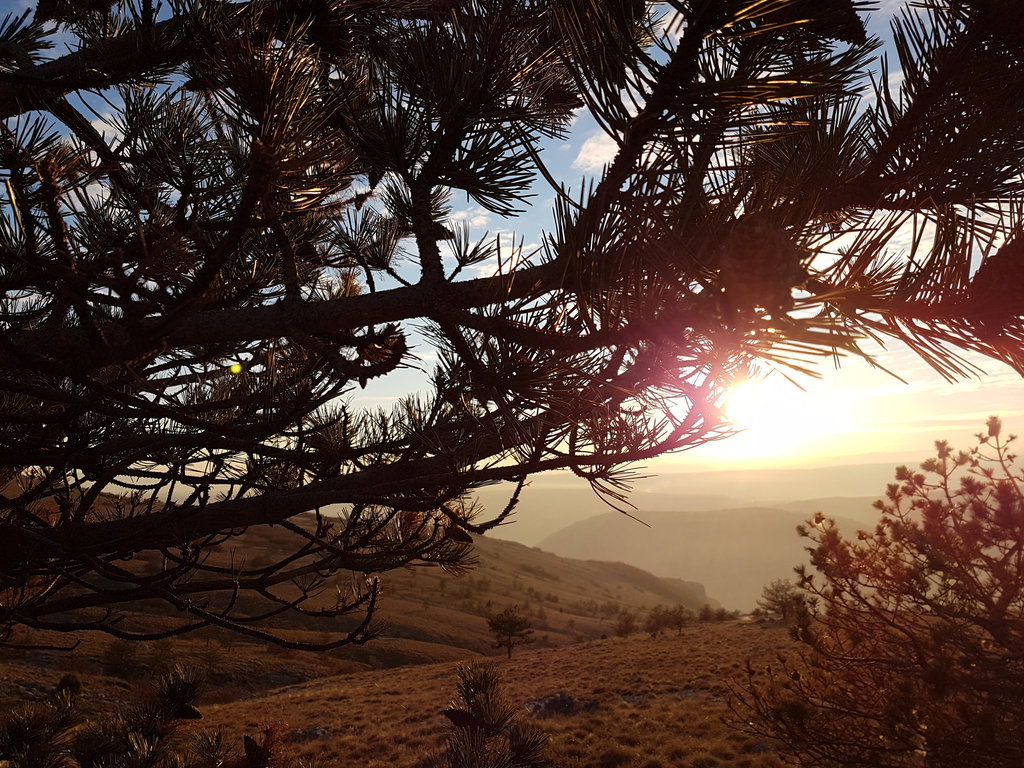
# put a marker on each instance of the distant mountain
(768, 487)
(553, 501)
(545, 508)
(733, 552)
(859, 509)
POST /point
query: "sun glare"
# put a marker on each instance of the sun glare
(781, 420)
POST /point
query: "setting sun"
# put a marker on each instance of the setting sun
(780, 419)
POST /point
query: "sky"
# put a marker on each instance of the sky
(853, 413)
(856, 413)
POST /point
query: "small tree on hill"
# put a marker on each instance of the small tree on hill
(625, 623)
(656, 621)
(917, 656)
(666, 618)
(784, 598)
(510, 629)
(677, 617)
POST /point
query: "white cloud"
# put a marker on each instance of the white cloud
(892, 7)
(577, 113)
(97, 192)
(671, 24)
(513, 252)
(598, 150)
(474, 218)
(107, 128)
(894, 81)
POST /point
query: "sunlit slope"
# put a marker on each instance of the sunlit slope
(648, 702)
(426, 615)
(565, 600)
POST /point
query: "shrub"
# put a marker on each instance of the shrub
(786, 599)
(69, 685)
(484, 730)
(120, 659)
(625, 624)
(917, 657)
(510, 629)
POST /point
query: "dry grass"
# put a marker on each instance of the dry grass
(428, 614)
(113, 671)
(660, 704)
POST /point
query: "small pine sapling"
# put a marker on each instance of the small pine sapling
(485, 730)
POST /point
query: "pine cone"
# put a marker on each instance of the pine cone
(760, 265)
(996, 295)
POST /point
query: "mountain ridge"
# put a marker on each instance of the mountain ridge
(551, 502)
(732, 552)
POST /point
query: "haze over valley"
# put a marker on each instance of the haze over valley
(733, 530)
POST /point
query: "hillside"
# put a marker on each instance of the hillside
(640, 702)
(733, 552)
(645, 703)
(426, 615)
(567, 600)
(857, 511)
(769, 487)
(551, 502)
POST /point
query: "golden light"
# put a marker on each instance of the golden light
(782, 420)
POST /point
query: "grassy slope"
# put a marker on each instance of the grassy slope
(659, 703)
(566, 600)
(428, 615)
